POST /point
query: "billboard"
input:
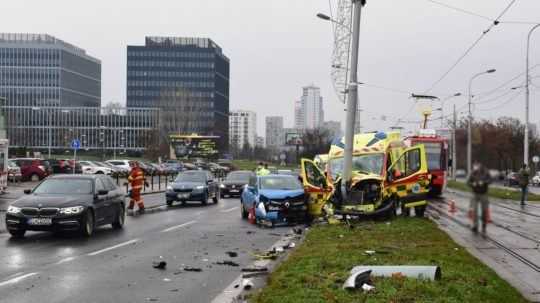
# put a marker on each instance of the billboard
(194, 146)
(293, 138)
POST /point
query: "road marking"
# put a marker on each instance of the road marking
(178, 226)
(229, 210)
(65, 260)
(113, 247)
(17, 279)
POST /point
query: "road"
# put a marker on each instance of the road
(116, 266)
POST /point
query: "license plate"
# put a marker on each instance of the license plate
(40, 221)
(183, 196)
(234, 191)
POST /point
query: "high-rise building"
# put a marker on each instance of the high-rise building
(188, 78)
(260, 142)
(274, 132)
(309, 112)
(242, 128)
(41, 70)
(334, 128)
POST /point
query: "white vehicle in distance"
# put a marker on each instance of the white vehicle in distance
(93, 168)
(123, 164)
(536, 179)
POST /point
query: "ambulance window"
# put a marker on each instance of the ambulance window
(413, 162)
(314, 176)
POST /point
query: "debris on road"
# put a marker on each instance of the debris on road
(269, 255)
(159, 264)
(255, 274)
(255, 269)
(367, 288)
(357, 280)
(247, 284)
(298, 231)
(220, 235)
(417, 272)
(290, 245)
(275, 234)
(166, 280)
(232, 254)
(193, 269)
(228, 263)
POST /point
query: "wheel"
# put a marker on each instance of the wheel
(34, 177)
(99, 173)
(216, 198)
(87, 224)
(205, 199)
(420, 210)
(243, 211)
(405, 211)
(120, 218)
(17, 233)
(170, 202)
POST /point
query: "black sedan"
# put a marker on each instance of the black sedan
(68, 203)
(235, 182)
(193, 185)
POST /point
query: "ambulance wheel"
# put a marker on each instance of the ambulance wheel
(419, 211)
(405, 211)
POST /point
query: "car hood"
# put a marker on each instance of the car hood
(33, 200)
(186, 185)
(359, 177)
(234, 182)
(279, 194)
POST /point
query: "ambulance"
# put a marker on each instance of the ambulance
(386, 176)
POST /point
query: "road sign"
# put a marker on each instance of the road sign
(536, 159)
(76, 144)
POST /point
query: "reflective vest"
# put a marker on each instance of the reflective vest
(136, 178)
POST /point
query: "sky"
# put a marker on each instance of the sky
(277, 47)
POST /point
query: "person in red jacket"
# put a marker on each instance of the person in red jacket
(136, 181)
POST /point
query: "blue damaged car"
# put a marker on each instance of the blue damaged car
(274, 200)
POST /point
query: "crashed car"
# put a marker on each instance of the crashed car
(386, 176)
(274, 199)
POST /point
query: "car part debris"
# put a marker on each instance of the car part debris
(298, 231)
(370, 252)
(254, 274)
(278, 249)
(159, 264)
(290, 245)
(166, 280)
(357, 279)
(232, 254)
(269, 255)
(419, 272)
(275, 234)
(255, 269)
(367, 288)
(229, 263)
(194, 269)
(247, 284)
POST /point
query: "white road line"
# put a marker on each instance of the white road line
(17, 279)
(178, 226)
(113, 247)
(229, 210)
(65, 260)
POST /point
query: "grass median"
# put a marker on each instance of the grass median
(496, 192)
(316, 270)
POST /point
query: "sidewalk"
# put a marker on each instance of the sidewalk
(512, 245)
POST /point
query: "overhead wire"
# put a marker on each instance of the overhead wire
(502, 104)
(460, 10)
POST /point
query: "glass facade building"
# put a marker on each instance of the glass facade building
(188, 78)
(40, 70)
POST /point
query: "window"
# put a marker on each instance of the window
(109, 184)
(99, 185)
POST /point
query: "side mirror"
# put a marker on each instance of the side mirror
(209, 181)
(102, 192)
(27, 191)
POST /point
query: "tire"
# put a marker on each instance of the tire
(120, 218)
(99, 173)
(34, 177)
(243, 211)
(405, 211)
(205, 199)
(17, 233)
(170, 202)
(419, 211)
(87, 226)
(216, 198)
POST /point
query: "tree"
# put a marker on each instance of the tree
(315, 141)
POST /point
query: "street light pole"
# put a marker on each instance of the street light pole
(527, 95)
(352, 101)
(454, 153)
(469, 126)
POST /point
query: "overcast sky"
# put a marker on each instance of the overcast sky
(278, 46)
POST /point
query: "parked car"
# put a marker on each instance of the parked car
(94, 168)
(14, 172)
(115, 171)
(147, 168)
(68, 203)
(234, 183)
(512, 179)
(536, 179)
(195, 185)
(123, 164)
(461, 173)
(275, 199)
(32, 169)
(63, 166)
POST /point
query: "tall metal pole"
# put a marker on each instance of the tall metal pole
(454, 153)
(352, 101)
(527, 95)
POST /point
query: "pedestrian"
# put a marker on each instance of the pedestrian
(262, 169)
(524, 175)
(479, 180)
(136, 180)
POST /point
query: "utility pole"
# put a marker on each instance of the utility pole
(454, 152)
(527, 95)
(352, 101)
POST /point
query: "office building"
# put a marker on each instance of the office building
(242, 128)
(274, 132)
(188, 78)
(41, 70)
(309, 112)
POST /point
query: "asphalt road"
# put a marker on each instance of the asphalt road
(116, 266)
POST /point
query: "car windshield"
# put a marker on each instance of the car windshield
(190, 177)
(280, 183)
(65, 186)
(238, 176)
(369, 163)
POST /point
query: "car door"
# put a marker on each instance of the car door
(115, 195)
(102, 203)
(316, 187)
(408, 177)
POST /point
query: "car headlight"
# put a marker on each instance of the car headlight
(169, 188)
(200, 187)
(222, 185)
(13, 210)
(72, 210)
